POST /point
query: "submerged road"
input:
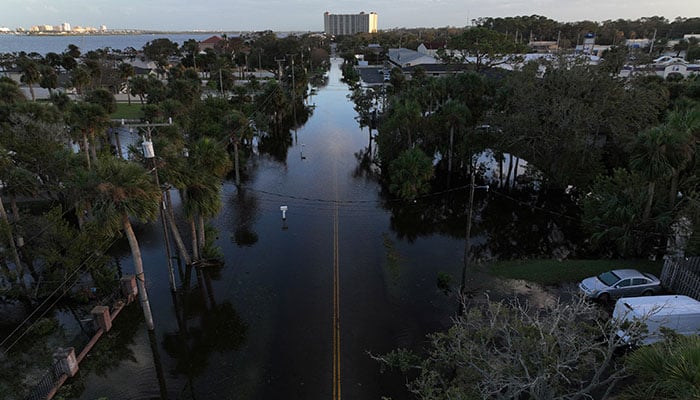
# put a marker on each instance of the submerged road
(267, 323)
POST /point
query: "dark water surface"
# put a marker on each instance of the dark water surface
(261, 326)
(58, 44)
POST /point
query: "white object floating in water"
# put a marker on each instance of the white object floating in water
(284, 211)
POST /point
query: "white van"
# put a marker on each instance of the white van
(675, 312)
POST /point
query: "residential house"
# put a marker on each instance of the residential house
(432, 48)
(403, 57)
(542, 46)
(210, 43)
(664, 67)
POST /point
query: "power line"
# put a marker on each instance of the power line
(50, 307)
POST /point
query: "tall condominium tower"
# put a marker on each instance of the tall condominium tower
(349, 24)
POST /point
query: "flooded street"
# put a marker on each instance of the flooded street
(300, 302)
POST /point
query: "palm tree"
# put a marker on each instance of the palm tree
(18, 181)
(88, 119)
(408, 116)
(72, 50)
(30, 73)
(10, 93)
(139, 87)
(208, 164)
(126, 191)
(126, 71)
(237, 125)
(666, 370)
(410, 174)
(79, 189)
(49, 78)
(651, 159)
(396, 133)
(455, 115)
(80, 78)
(685, 127)
(202, 200)
(5, 164)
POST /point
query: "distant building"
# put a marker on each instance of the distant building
(210, 43)
(543, 46)
(638, 43)
(349, 24)
(431, 48)
(403, 58)
(589, 47)
(664, 66)
(588, 43)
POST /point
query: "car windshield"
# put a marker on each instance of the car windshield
(608, 278)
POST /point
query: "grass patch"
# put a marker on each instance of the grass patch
(128, 111)
(553, 272)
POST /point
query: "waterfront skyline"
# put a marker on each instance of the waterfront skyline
(307, 15)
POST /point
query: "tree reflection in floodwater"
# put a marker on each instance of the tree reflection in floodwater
(204, 327)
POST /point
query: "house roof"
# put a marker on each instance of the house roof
(407, 57)
(435, 45)
(212, 40)
(439, 68)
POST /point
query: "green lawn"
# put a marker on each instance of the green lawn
(128, 111)
(552, 272)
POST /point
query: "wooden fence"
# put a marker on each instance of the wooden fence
(66, 361)
(682, 276)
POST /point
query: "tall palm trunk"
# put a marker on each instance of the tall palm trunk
(86, 150)
(201, 236)
(80, 215)
(452, 141)
(179, 243)
(515, 171)
(235, 157)
(13, 247)
(510, 170)
(501, 159)
(193, 232)
(138, 268)
(118, 142)
(650, 201)
(24, 256)
(673, 192)
(93, 146)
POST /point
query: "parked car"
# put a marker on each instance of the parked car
(680, 314)
(620, 283)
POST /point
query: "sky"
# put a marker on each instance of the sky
(307, 15)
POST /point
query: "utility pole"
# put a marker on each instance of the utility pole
(467, 237)
(294, 96)
(279, 68)
(149, 154)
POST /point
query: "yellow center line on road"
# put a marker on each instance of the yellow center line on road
(336, 293)
(336, 308)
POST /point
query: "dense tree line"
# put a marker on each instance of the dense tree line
(520, 30)
(580, 128)
(68, 190)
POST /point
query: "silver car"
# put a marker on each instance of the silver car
(620, 283)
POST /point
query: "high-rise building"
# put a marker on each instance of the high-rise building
(349, 24)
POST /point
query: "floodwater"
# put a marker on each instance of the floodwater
(300, 303)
